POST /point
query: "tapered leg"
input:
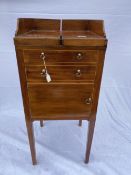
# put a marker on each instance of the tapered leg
(30, 131)
(89, 140)
(80, 122)
(41, 123)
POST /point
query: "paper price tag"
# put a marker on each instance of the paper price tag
(48, 77)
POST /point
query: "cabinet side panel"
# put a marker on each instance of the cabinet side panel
(97, 84)
(22, 77)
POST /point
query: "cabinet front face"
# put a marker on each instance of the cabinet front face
(61, 101)
(69, 95)
(72, 92)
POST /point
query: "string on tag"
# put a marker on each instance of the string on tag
(47, 75)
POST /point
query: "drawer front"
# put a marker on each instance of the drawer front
(33, 57)
(60, 100)
(61, 73)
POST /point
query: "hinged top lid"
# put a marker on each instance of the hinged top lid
(37, 32)
(83, 33)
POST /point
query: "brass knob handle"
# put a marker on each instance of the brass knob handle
(88, 100)
(43, 73)
(79, 56)
(78, 73)
(42, 55)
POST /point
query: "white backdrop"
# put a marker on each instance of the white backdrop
(112, 142)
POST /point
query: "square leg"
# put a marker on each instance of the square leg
(29, 125)
(80, 122)
(89, 140)
(41, 123)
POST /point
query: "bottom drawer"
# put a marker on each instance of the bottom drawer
(60, 101)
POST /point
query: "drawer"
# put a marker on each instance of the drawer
(64, 101)
(33, 57)
(61, 73)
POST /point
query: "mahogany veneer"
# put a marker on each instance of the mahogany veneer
(73, 52)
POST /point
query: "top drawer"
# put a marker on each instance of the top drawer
(33, 56)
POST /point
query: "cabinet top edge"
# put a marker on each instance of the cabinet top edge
(25, 25)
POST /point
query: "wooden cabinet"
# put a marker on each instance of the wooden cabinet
(60, 65)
